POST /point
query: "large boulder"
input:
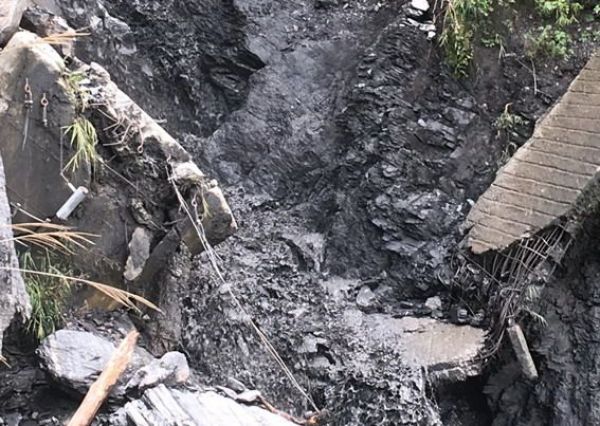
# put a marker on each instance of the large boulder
(13, 297)
(75, 358)
(131, 184)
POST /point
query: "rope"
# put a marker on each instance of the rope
(199, 228)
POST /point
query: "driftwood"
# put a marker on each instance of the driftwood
(101, 388)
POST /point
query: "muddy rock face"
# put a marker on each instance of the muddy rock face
(350, 158)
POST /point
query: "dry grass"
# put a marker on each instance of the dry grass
(63, 38)
(60, 39)
(4, 361)
(120, 296)
(59, 238)
(49, 236)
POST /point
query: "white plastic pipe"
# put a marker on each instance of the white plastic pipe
(71, 204)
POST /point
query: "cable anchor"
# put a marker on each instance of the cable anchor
(28, 103)
(44, 104)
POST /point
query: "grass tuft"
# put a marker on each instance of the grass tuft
(47, 294)
(83, 140)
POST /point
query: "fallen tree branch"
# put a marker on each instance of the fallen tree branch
(101, 388)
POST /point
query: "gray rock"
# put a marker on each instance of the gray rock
(366, 297)
(44, 23)
(434, 303)
(309, 344)
(38, 186)
(308, 248)
(13, 419)
(422, 5)
(10, 15)
(13, 297)
(171, 369)
(217, 220)
(76, 358)
(139, 251)
(163, 406)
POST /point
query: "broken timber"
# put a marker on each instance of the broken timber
(551, 177)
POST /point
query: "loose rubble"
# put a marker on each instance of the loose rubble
(161, 405)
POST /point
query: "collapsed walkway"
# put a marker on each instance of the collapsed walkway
(550, 177)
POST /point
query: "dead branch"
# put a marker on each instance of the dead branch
(101, 388)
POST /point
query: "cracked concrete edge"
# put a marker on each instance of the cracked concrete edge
(552, 177)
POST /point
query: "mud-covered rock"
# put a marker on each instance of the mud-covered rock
(136, 188)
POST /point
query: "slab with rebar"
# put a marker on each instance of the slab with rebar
(548, 177)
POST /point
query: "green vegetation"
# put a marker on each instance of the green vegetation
(508, 121)
(83, 140)
(464, 20)
(564, 12)
(79, 96)
(506, 125)
(83, 133)
(459, 24)
(49, 280)
(548, 41)
(48, 295)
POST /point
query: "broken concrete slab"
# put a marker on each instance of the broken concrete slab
(549, 177)
(164, 406)
(10, 16)
(14, 300)
(448, 352)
